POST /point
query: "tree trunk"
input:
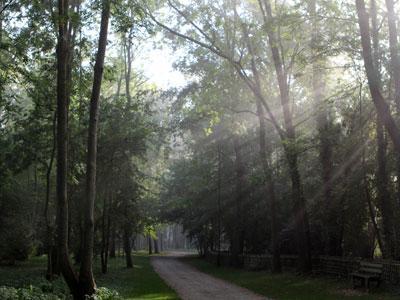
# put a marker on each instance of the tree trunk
(270, 190)
(156, 250)
(394, 55)
(219, 211)
(128, 67)
(395, 74)
(381, 106)
(86, 278)
(113, 238)
(62, 140)
(150, 246)
(333, 244)
(264, 153)
(105, 230)
(300, 215)
(127, 246)
(238, 225)
(382, 176)
(49, 232)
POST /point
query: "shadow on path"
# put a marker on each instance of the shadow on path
(191, 284)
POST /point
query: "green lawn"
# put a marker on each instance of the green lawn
(289, 286)
(141, 282)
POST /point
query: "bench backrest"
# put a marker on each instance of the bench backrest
(373, 268)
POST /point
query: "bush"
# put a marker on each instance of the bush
(30, 293)
(103, 293)
(16, 235)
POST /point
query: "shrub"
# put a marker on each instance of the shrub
(30, 293)
(103, 293)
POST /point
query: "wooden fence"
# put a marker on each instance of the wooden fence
(329, 265)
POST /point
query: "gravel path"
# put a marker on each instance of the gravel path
(191, 284)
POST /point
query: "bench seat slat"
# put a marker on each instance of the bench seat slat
(371, 265)
(369, 270)
(365, 275)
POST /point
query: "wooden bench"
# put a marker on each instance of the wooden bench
(366, 273)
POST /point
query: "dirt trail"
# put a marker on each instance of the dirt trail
(191, 284)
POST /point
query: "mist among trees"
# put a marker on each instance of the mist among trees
(282, 139)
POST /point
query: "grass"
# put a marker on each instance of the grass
(141, 282)
(288, 286)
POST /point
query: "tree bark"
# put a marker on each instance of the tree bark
(86, 278)
(62, 141)
(105, 241)
(264, 153)
(156, 249)
(128, 66)
(113, 238)
(395, 74)
(381, 106)
(238, 225)
(49, 232)
(270, 190)
(382, 176)
(333, 244)
(127, 246)
(149, 244)
(219, 212)
(300, 215)
(394, 55)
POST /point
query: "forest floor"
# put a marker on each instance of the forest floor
(288, 286)
(141, 282)
(191, 284)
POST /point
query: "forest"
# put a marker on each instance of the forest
(259, 128)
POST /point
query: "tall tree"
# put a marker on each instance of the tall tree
(384, 198)
(86, 278)
(62, 143)
(289, 143)
(381, 106)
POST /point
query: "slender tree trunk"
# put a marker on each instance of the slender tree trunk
(395, 74)
(105, 241)
(333, 245)
(372, 214)
(150, 246)
(127, 246)
(49, 232)
(394, 55)
(238, 226)
(62, 141)
(156, 249)
(128, 67)
(381, 106)
(264, 153)
(382, 176)
(219, 212)
(113, 238)
(86, 278)
(270, 190)
(300, 215)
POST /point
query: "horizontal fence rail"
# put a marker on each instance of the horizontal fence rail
(329, 265)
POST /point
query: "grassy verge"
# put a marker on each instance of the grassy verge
(289, 286)
(141, 282)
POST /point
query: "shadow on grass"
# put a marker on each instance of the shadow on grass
(141, 282)
(289, 286)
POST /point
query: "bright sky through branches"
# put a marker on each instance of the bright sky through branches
(157, 65)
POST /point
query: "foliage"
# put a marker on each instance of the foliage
(30, 293)
(288, 286)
